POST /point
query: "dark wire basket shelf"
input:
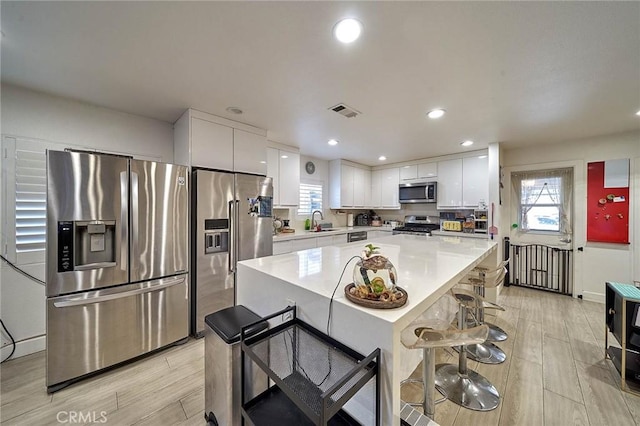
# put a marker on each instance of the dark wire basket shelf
(316, 373)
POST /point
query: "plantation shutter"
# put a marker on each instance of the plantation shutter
(310, 198)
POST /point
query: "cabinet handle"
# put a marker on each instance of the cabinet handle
(611, 311)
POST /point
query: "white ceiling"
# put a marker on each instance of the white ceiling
(518, 73)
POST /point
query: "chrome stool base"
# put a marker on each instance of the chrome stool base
(486, 353)
(471, 390)
(496, 334)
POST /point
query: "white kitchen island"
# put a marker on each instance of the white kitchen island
(427, 268)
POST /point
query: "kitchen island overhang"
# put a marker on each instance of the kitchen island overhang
(427, 269)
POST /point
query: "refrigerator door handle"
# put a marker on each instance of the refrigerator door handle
(134, 214)
(124, 220)
(158, 285)
(232, 239)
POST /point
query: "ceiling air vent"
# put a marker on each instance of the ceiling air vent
(345, 110)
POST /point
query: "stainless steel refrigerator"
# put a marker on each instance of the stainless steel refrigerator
(231, 221)
(117, 261)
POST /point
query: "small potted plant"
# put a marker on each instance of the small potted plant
(375, 277)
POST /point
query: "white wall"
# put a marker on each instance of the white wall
(35, 116)
(599, 262)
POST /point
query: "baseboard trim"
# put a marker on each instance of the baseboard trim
(593, 297)
(25, 347)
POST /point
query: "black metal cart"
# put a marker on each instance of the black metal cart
(314, 375)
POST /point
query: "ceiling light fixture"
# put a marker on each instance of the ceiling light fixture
(284, 156)
(638, 113)
(234, 110)
(332, 142)
(482, 156)
(466, 143)
(263, 162)
(436, 113)
(348, 30)
(382, 158)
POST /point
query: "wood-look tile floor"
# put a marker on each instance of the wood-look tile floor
(555, 374)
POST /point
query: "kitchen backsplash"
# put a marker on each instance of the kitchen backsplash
(340, 219)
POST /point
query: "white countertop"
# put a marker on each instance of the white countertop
(334, 231)
(461, 234)
(424, 265)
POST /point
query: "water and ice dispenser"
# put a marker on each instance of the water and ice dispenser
(216, 236)
(84, 245)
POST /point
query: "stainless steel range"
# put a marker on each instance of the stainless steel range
(418, 225)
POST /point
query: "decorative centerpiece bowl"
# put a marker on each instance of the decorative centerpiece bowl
(374, 281)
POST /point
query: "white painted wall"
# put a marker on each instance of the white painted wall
(599, 262)
(35, 116)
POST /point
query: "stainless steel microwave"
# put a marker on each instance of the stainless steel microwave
(418, 192)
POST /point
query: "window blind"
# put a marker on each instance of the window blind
(310, 198)
(30, 200)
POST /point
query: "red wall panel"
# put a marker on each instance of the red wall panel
(608, 221)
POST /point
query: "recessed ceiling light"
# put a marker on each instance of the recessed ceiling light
(466, 143)
(284, 156)
(436, 113)
(263, 162)
(382, 158)
(332, 142)
(482, 156)
(638, 113)
(348, 30)
(234, 110)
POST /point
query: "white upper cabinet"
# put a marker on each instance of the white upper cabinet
(249, 152)
(409, 172)
(211, 145)
(289, 178)
(389, 182)
(284, 168)
(346, 185)
(376, 188)
(205, 140)
(273, 171)
(450, 183)
(463, 182)
(420, 171)
(361, 187)
(349, 185)
(427, 170)
(475, 178)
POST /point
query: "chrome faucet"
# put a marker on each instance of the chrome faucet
(313, 220)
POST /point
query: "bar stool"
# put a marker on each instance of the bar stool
(482, 278)
(433, 330)
(461, 385)
(485, 352)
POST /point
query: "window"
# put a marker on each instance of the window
(26, 196)
(310, 198)
(544, 200)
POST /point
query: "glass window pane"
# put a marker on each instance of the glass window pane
(539, 218)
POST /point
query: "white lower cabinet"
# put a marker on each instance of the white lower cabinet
(281, 247)
(339, 239)
(303, 244)
(378, 234)
(324, 241)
